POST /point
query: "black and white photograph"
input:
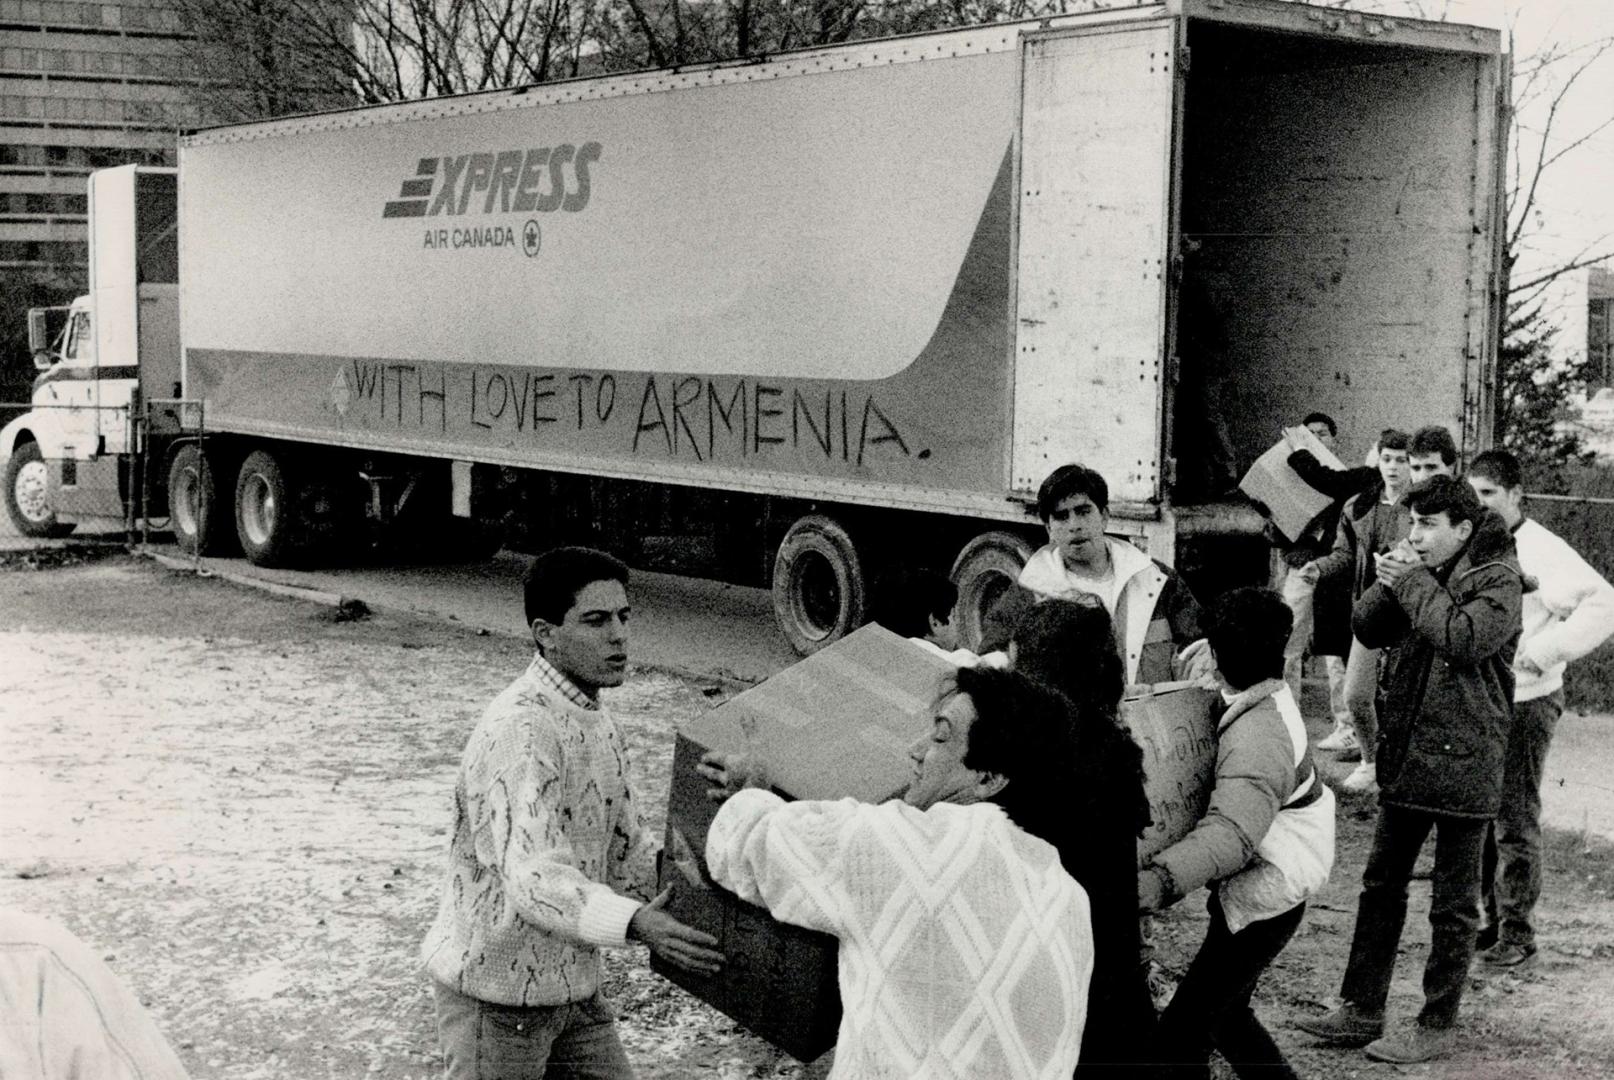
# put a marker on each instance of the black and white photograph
(765, 540)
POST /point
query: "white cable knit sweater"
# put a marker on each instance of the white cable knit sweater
(547, 838)
(965, 947)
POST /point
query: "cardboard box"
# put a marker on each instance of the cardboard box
(837, 724)
(1292, 504)
(1172, 724)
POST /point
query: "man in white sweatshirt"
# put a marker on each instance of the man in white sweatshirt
(966, 946)
(1568, 614)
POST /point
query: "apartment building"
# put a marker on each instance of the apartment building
(82, 86)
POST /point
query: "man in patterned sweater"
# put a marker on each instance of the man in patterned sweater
(549, 858)
(965, 945)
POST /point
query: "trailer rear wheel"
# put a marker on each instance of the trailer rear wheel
(28, 494)
(819, 591)
(265, 514)
(196, 514)
(986, 568)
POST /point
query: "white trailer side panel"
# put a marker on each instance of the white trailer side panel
(1095, 191)
(808, 225)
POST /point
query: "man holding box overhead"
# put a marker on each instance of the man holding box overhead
(549, 859)
(965, 944)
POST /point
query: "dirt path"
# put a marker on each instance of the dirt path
(243, 803)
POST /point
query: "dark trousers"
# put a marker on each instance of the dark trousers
(1382, 910)
(1512, 871)
(1211, 1008)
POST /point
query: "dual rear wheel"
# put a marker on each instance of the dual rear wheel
(821, 588)
(255, 515)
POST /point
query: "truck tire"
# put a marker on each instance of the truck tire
(28, 494)
(820, 593)
(986, 568)
(266, 517)
(198, 517)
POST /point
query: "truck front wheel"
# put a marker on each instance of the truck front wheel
(28, 494)
(819, 591)
(265, 512)
(986, 568)
(195, 512)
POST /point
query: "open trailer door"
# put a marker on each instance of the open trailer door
(1094, 248)
(1340, 182)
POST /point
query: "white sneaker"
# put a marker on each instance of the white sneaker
(1364, 778)
(1341, 738)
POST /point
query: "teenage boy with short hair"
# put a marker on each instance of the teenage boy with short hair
(922, 606)
(1157, 619)
(1567, 615)
(549, 859)
(1432, 452)
(1445, 603)
(1371, 524)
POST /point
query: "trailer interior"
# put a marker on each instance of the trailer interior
(1338, 247)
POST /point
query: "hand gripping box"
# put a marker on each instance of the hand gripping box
(1291, 503)
(837, 724)
(1174, 725)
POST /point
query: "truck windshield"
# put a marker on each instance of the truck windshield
(78, 337)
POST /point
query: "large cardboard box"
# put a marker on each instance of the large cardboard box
(1292, 504)
(837, 724)
(1172, 723)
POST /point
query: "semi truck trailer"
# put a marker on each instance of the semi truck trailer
(800, 319)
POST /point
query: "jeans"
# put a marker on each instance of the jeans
(1299, 593)
(484, 1041)
(1361, 689)
(1382, 910)
(1512, 868)
(1211, 1008)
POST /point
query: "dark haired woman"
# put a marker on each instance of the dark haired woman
(1068, 646)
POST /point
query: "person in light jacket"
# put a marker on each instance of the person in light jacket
(65, 1015)
(1265, 846)
(1567, 615)
(1157, 619)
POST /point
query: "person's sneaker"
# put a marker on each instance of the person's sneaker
(1342, 737)
(1347, 1025)
(1364, 779)
(1416, 1043)
(1508, 954)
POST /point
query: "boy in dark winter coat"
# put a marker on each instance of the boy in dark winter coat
(1446, 603)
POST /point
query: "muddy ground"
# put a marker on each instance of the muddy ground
(243, 801)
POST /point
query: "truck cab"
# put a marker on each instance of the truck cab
(69, 457)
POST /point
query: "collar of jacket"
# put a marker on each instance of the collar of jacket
(1490, 544)
(1045, 571)
(1138, 584)
(1247, 699)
